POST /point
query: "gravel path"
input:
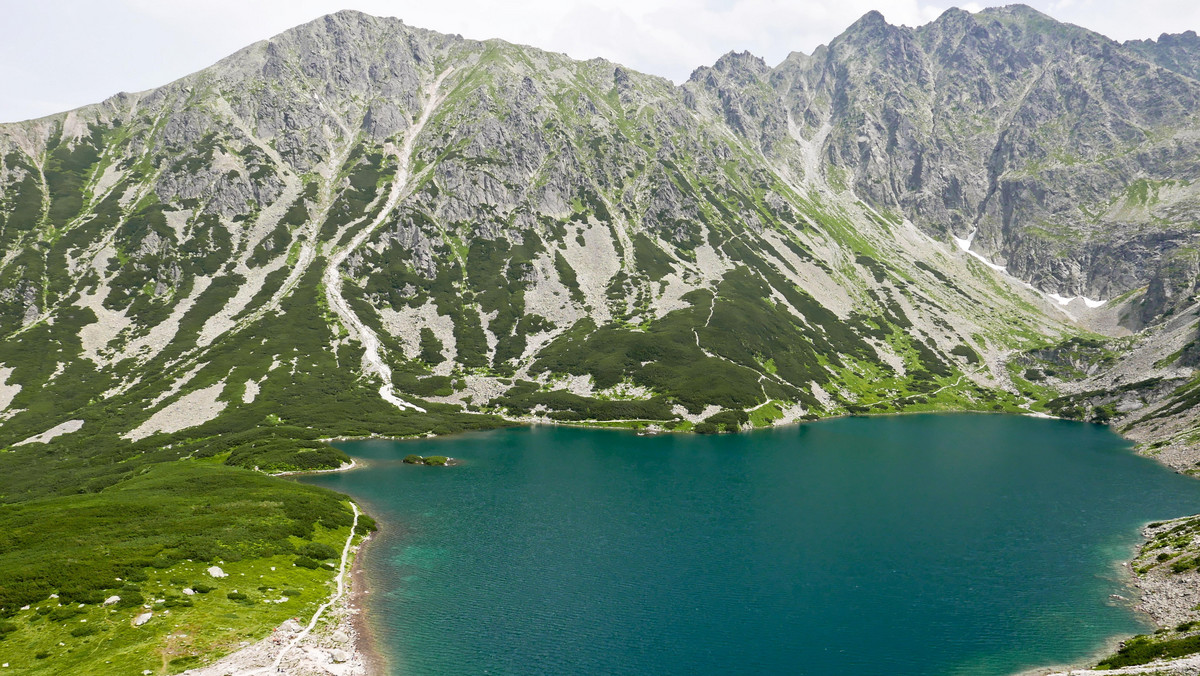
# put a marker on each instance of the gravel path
(327, 645)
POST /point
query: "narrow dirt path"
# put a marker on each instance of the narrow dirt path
(341, 590)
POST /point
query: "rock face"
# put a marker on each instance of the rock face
(357, 204)
(1179, 53)
(1028, 132)
(1174, 287)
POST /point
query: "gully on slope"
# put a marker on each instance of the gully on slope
(333, 279)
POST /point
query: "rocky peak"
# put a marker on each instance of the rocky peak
(1179, 52)
(873, 45)
(871, 23)
(950, 28)
(736, 87)
(742, 65)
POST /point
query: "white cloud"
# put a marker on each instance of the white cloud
(66, 53)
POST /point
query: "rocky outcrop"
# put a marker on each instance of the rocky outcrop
(1174, 286)
(1179, 52)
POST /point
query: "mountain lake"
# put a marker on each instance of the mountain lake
(920, 544)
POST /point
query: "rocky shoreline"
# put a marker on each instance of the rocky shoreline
(372, 660)
(1167, 598)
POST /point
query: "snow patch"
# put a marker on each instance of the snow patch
(965, 244)
(1062, 300)
(997, 268)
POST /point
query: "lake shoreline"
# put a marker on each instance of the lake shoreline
(1151, 596)
(372, 659)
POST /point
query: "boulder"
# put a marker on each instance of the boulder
(217, 572)
(111, 600)
(142, 619)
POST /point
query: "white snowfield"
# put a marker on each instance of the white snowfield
(965, 245)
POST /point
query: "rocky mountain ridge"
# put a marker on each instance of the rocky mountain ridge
(536, 202)
(1061, 154)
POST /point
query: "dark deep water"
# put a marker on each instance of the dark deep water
(932, 544)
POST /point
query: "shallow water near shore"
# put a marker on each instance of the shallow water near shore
(929, 544)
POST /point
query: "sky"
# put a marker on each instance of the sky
(56, 55)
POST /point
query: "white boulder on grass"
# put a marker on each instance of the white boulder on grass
(215, 571)
(111, 600)
(142, 619)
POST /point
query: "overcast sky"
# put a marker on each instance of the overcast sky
(60, 54)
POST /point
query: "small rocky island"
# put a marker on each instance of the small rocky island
(434, 460)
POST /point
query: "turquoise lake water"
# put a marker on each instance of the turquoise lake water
(932, 544)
